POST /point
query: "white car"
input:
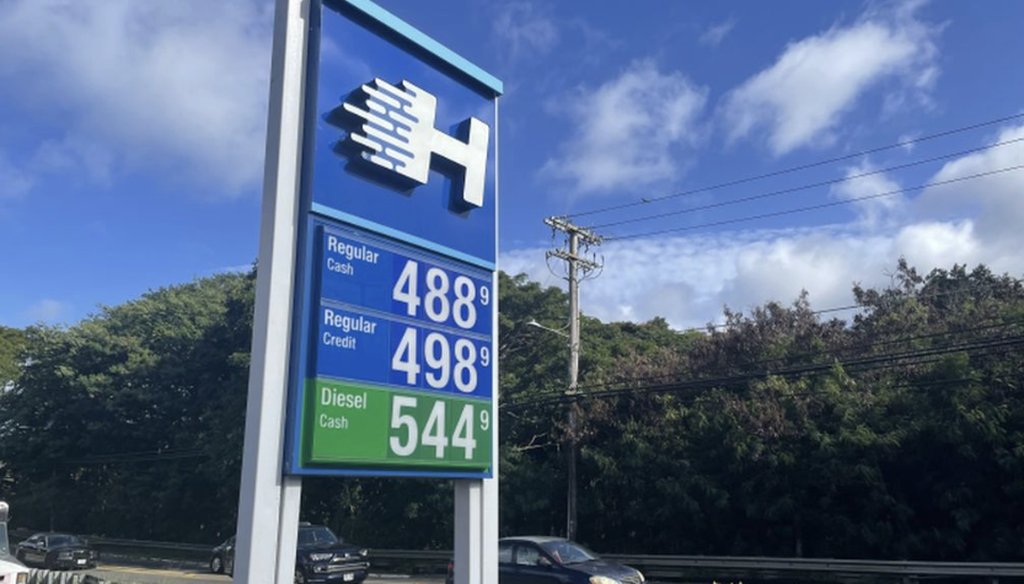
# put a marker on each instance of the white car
(11, 569)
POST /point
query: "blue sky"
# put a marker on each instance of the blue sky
(132, 135)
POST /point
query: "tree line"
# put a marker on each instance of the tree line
(894, 433)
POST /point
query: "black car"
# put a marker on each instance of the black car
(554, 560)
(321, 556)
(56, 551)
(222, 560)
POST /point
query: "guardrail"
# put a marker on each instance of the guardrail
(719, 567)
(659, 567)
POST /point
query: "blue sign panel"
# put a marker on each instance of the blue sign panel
(393, 368)
(373, 92)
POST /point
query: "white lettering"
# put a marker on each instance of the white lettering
(330, 396)
(351, 252)
(349, 323)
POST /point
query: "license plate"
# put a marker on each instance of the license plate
(81, 562)
(348, 577)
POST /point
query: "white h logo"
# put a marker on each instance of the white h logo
(398, 134)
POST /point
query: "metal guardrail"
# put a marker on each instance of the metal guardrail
(676, 567)
(662, 567)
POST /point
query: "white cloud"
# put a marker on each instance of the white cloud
(14, 182)
(801, 98)
(628, 131)
(687, 279)
(995, 201)
(863, 188)
(715, 34)
(524, 29)
(178, 85)
(47, 310)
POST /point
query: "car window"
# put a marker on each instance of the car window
(316, 535)
(567, 552)
(527, 555)
(505, 553)
(63, 540)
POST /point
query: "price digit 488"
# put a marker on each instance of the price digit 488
(443, 299)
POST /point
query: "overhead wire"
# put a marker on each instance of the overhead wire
(875, 362)
(814, 207)
(796, 189)
(792, 169)
(832, 351)
(929, 296)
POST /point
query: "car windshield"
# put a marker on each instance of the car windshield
(316, 535)
(58, 540)
(567, 552)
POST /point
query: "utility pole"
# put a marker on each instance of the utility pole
(577, 265)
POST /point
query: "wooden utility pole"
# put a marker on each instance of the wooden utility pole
(577, 266)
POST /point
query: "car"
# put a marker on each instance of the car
(556, 560)
(11, 570)
(56, 551)
(320, 557)
(222, 559)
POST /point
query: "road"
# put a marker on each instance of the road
(138, 575)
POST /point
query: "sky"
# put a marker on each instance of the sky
(132, 137)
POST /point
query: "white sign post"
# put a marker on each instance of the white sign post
(268, 509)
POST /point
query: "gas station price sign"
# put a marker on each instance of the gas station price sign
(403, 363)
(393, 362)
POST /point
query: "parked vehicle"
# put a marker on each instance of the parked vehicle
(554, 560)
(56, 551)
(222, 560)
(10, 569)
(321, 556)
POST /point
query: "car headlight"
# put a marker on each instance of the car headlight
(22, 578)
(364, 552)
(603, 580)
(320, 557)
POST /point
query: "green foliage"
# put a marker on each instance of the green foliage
(895, 435)
(12, 345)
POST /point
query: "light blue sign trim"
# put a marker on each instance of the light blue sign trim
(326, 211)
(416, 36)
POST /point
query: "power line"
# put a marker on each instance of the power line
(815, 207)
(718, 325)
(796, 189)
(877, 362)
(835, 351)
(901, 144)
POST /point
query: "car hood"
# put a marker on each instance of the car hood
(9, 564)
(603, 568)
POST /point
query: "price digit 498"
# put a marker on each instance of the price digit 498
(444, 363)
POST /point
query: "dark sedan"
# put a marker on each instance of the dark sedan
(554, 560)
(320, 556)
(56, 551)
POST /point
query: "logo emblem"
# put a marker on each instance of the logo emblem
(396, 132)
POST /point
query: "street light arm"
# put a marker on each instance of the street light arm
(533, 322)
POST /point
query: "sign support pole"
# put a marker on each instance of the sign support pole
(268, 509)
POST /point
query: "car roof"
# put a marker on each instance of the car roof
(533, 538)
